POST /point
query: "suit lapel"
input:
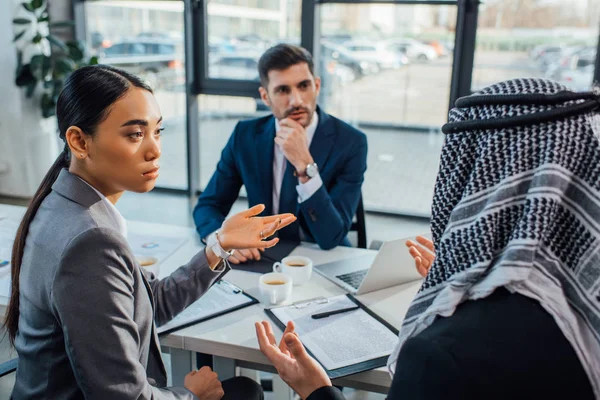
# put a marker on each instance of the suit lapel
(322, 142)
(155, 345)
(264, 148)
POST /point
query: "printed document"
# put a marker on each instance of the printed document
(339, 340)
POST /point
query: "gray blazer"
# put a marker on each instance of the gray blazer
(87, 312)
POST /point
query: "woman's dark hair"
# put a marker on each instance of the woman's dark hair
(84, 102)
(280, 57)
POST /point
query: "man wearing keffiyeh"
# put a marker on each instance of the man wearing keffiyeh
(510, 306)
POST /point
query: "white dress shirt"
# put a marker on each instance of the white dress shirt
(114, 213)
(305, 190)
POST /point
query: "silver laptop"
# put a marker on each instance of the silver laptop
(392, 265)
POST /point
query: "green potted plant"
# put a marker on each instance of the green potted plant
(43, 60)
(29, 142)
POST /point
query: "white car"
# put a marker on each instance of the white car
(376, 53)
(579, 79)
(413, 49)
(234, 66)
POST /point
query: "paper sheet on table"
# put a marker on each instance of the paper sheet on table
(157, 246)
(339, 340)
(220, 298)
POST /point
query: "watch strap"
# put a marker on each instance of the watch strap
(303, 174)
(215, 245)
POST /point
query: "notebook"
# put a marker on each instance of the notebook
(344, 344)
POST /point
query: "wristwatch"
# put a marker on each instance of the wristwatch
(215, 245)
(311, 171)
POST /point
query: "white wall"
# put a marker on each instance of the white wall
(28, 145)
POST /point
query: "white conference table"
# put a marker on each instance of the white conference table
(231, 338)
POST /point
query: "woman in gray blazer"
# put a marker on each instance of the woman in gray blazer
(82, 313)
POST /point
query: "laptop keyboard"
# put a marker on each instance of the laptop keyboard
(355, 278)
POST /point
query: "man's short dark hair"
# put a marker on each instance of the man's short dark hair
(280, 57)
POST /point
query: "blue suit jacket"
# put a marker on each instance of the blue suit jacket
(340, 152)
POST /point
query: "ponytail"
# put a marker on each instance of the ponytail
(12, 312)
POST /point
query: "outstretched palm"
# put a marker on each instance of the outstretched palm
(245, 230)
(423, 252)
(294, 365)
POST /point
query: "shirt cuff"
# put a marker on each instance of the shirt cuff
(310, 187)
(221, 266)
(204, 240)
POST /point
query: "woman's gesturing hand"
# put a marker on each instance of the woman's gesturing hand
(247, 231)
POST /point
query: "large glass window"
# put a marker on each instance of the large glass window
(239, 31)
(386, 69)
(546, 39)
(146, 38)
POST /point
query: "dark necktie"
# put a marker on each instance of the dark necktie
(288, 203)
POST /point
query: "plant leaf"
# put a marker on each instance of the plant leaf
(24, 76)
(93, 60)
(43, 10)
(57, 42)
(37, 38)
(35, 4)
(27, 7)
(19, 36)
(36, 66)
(76, 50)
(64, 66)
(61, 24)
(48, 105)
(44, 19)
(21, 21)
(58, 87)
(46, 66)
(30, 89)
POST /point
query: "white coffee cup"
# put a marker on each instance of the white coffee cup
(275, 287)
(298, 267)
(149, 263)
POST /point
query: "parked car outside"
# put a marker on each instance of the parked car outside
(578, 79)
(236, 65)
(551, 56)
(413, 49)
(344, 57)
(571, 58)
(543, 50)
(376, 52)
(157, 61)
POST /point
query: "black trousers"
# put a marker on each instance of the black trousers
(505, 346)
(241, 388)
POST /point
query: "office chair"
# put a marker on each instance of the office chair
(359, 226)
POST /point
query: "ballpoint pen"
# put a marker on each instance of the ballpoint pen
(328, 313)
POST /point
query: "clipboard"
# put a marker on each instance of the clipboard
(355, 368)
(209, 306)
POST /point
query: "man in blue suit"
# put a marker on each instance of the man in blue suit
(298, 160)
